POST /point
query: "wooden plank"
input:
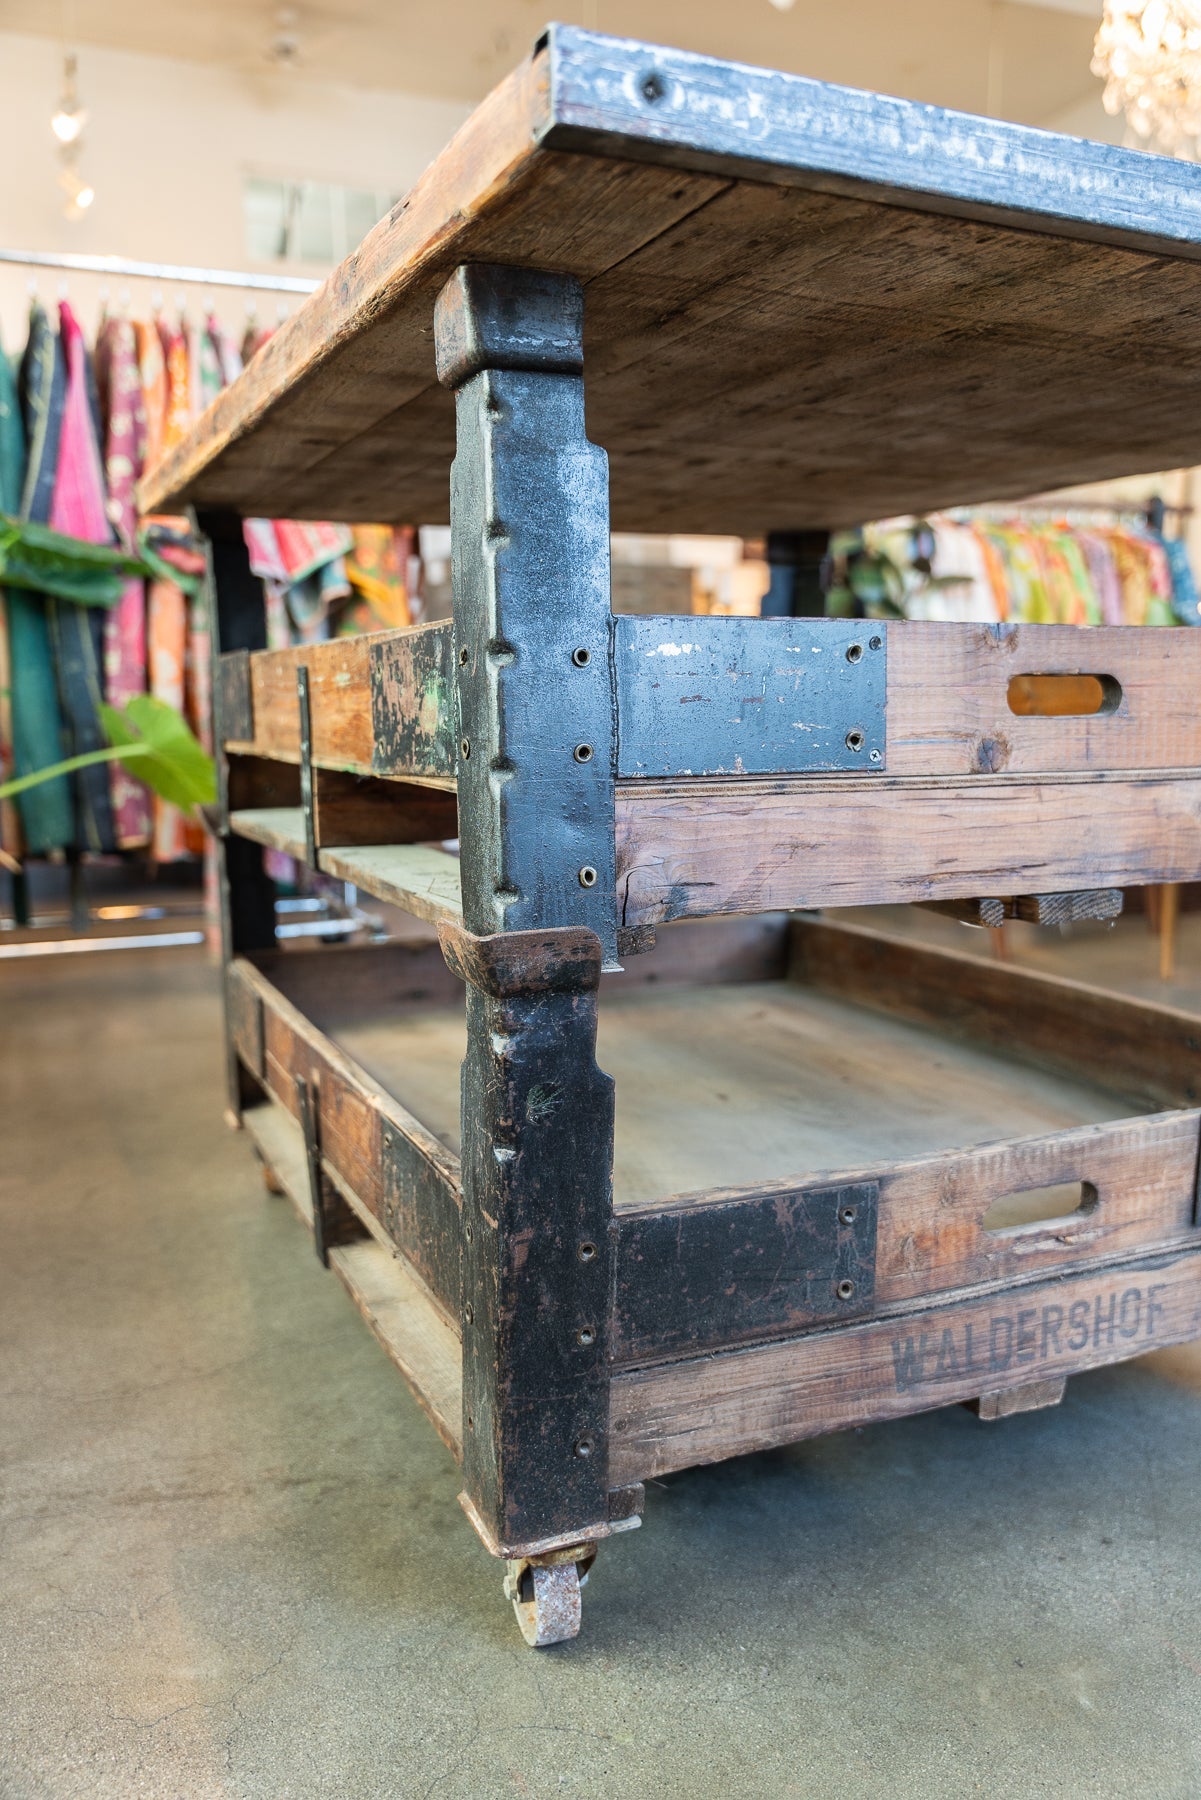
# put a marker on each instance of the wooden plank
(1074, 908)
(949, 710)
(732, 697)
(379, 704)
(339, 703)
(418, 877)
(690, 848)
(424, 881)
(413, 703)
(403, 1176)
(1030, 1396)
(676, 106)
(361, 809)
(257, 782)
(361, 981)
(678, 1415)
(1150, 1052)
(1023, 307)
(395, 1303)
(276, 827)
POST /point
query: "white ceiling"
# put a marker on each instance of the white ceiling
(1022, 59)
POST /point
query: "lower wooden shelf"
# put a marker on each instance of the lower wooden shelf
(814, 1222)
(419, 877)
(400, 1311)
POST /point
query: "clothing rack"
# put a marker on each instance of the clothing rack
(120, 266)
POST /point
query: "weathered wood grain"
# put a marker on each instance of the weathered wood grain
(1023, 308)
(949, 711)
(418, 877)
(351, 810)
(423, 880)
(754, 845)
(1150, 1052)
(405, 1178)
(275, 827)
(392, 1299)
(677, 1415)
(1030, 1396)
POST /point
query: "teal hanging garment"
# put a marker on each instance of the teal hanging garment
(47, 812)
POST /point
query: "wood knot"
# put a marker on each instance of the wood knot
(992, 753)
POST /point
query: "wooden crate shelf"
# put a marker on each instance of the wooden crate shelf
(621, 1181)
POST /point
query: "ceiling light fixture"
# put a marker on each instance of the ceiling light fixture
(70, 117)
(1148, 52)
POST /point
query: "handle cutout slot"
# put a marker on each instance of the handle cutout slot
(1063, 696)
(1063, 1203)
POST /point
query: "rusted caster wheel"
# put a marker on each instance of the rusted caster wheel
(545, 1591)
(271, 1180)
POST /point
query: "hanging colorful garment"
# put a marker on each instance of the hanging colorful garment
(177, 418)
(377, 569)
(48, 810)
(12, 472)
(123, 420)
(167, 639)
(152, 372)
(229, 360)
(77, 632)
(204, 367)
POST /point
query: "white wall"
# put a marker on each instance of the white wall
(166, 146)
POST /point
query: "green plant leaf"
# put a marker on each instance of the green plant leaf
(67, 568)
(168, 758)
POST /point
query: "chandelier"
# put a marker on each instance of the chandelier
(1149, 54)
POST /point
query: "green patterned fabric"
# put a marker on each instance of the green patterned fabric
(47, 812)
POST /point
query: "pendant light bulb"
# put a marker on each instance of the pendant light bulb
(69, 118)
(783, 5)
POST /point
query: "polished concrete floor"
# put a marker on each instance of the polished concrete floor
(232, 1564)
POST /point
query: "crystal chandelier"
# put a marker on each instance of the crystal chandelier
(1149, 54)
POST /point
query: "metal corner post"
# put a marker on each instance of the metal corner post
(536, 759)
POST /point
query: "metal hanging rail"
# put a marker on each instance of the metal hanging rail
(121, 267)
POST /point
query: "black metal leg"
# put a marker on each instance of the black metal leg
(530, 525)
(537, 1146)
(238, 621)
(796, 560)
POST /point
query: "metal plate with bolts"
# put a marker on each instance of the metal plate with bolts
(732, 696)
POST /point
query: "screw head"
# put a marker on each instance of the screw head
(854, 653)
(581, 657)
(585, 1336)
(583, 753)
(854, 739)
(845, 1290)
(586, 1252)
(874, 643)
(465, 748)
(653, 87)
(875, 756)
(847, 1215)
(587, 876)
(583, 1446)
